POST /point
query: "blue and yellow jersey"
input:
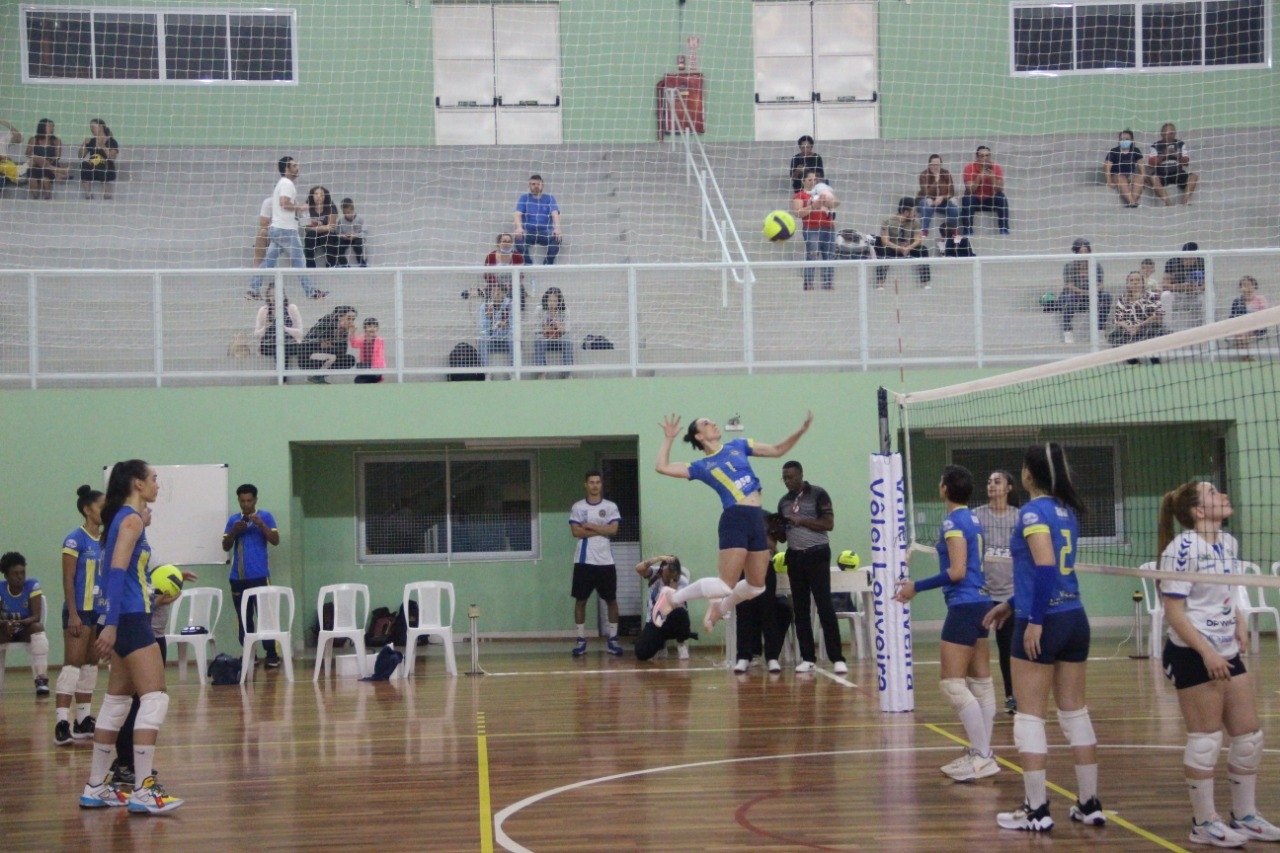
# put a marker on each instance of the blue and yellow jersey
(15, 606)
(136, 592)
(86, 550)
(972, 589)
(1045, 515)
(728, 472)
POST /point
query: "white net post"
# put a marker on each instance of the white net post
(893, 641)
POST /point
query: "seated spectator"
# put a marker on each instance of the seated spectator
(98, 155)
(15, 135)
(1184, 289)
(937, 191)
(351, 234)
(9, 171)
(1138, 314)
(20, 616)
(537, 222)
(815, 204)
(504, 254)
(1169, 161)
(803, 162)
(324, 346)
(900, 237)
(1248, 302)
(495, 322)
(44, 160)
(983, 190)
(953, 244)
(373, 352)
(320, 231)
(1149, 277)
(1074, 298)
(552, 334)
(264, 330)
(1126, 170)
(664, 571)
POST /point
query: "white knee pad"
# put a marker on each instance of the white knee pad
(112, 713)
(1245, 752)
(67, 678)
(88, 678)
(1202, 750)
(151, 710)
(753, 591)
(983, 689)
(1077, 727)
(957, 693)
(1028, 734)
(40, 645)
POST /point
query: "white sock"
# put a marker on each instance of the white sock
(1086, 781)
(1244, 788)
(701, 588)
(83, 709)
(988, 721)
(976, 729)
(1033, 782)
(102, 753)
(142, 756)
(582, 629)
(613, 630)
(1201, 791)
(63, 714)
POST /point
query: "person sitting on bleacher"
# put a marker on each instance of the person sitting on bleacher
(44, 160)
(900, 237)
(537, 222)
(1249, 301)
(1184, 289)
(1074, 298)
(1137, 315)
(983, 190)
(9, 171)
(1126, 170)
(1169, 161)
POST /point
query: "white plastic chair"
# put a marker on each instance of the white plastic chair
(1251, 603)
(204, 608)
(269, 625)
(4, 648)
(1155, 611)
(435, 619)
(348, 621)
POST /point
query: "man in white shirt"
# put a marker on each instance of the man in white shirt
(283, 230)
(594, 521)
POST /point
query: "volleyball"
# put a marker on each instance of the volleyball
(166, 580)
(779, 226)
(780, 562)
(849, 560)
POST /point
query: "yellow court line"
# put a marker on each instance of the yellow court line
(486, 803)
(1111, 816)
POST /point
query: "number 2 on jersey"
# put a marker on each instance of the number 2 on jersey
(1065, 550)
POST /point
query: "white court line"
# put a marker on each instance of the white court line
(668, 671)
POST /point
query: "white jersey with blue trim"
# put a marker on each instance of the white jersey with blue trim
(1210, 607)
(594, 550)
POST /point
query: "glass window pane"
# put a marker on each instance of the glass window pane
(58, 45)
(1042, 39)
(405, 507)
(491, 502)
(1106, 37)
(125, 47)
(262, 48)
(1171, 34)
(1234, 32)
(196, 47)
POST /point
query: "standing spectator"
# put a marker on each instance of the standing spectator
(1138, 314)
(553, 331)
(1184, 289)
(20, 598)
(815, 204)
(350, 234)
(321, 229)
(246, 537)
(372, 352)
(662, 572)
(264, 329)
(900, 237)
(1169, 161)
(593, 522)
(807, 509)
(283, 232)
(325, 344)
(537, 222)
(803, 162)
(1249, 301)
(1126, 170)
(983, 190)
(44, 158)
(937, 192)
(98, 155)
(261, 240)
(1074, 298)
(997, 518)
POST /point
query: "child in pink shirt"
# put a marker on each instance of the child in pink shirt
(372, 351)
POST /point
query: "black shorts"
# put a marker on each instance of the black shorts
(133, 633)
(603, 580)
(963, 625)
(87, 617)
(742, 526)
(1176, 176)
(1065, 638)
(1185, 668)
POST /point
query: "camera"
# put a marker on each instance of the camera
(466, 294)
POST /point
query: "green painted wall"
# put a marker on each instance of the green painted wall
(366, 79)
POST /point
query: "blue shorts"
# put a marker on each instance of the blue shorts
(1065, 638)
(963, 625)
(742, 526)
(87, 617)
(133, 633)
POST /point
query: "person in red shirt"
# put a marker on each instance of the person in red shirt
(815, 205)
(983, 190)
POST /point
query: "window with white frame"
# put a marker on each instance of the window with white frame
(427, 507)
(1065, 38)
(123, 45)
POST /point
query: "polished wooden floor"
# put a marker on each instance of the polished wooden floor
(551, 753)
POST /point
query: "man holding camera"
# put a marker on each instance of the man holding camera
(983, 190)
(246, 537)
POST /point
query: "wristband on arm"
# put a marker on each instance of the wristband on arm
(937, 581)
(115, 591)
(1042, 589)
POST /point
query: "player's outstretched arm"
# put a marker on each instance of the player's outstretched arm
(775, 450)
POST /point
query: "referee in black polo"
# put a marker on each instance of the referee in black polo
(807, 509)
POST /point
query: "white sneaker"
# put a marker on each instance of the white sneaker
(1068, 338)
(741, 666)
(956, 766)
(1255, 827)
(971, 767)
(840, 668)
(682, 651)
(805, 666)
(774, 666)
(1215, 833)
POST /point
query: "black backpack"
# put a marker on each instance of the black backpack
(381, 621)
(400, 630)
(224, 669)
(464, 355)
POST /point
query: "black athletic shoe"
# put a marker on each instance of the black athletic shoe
(62, 733)
(42, 685)
(122, 775)
(274, 663)
(83, 729)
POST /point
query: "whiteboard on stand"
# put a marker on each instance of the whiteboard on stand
(189, 514)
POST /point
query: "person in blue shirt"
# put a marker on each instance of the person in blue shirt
(20, 598)
(537, 222)
(79, 675)
(726, 468)
(246, 537)
(966, 662)
(1050, 639)
(136, 663)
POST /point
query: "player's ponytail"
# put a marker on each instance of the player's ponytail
(691, 434)
(119, 488)
(1178, 505)
(1048, 467)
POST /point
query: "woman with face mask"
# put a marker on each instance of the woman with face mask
(1126, 170)
(504, 254)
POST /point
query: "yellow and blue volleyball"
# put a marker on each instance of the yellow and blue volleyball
(166, 580)
(849, 560)
(779, 226)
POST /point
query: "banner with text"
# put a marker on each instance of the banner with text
(888, 567)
